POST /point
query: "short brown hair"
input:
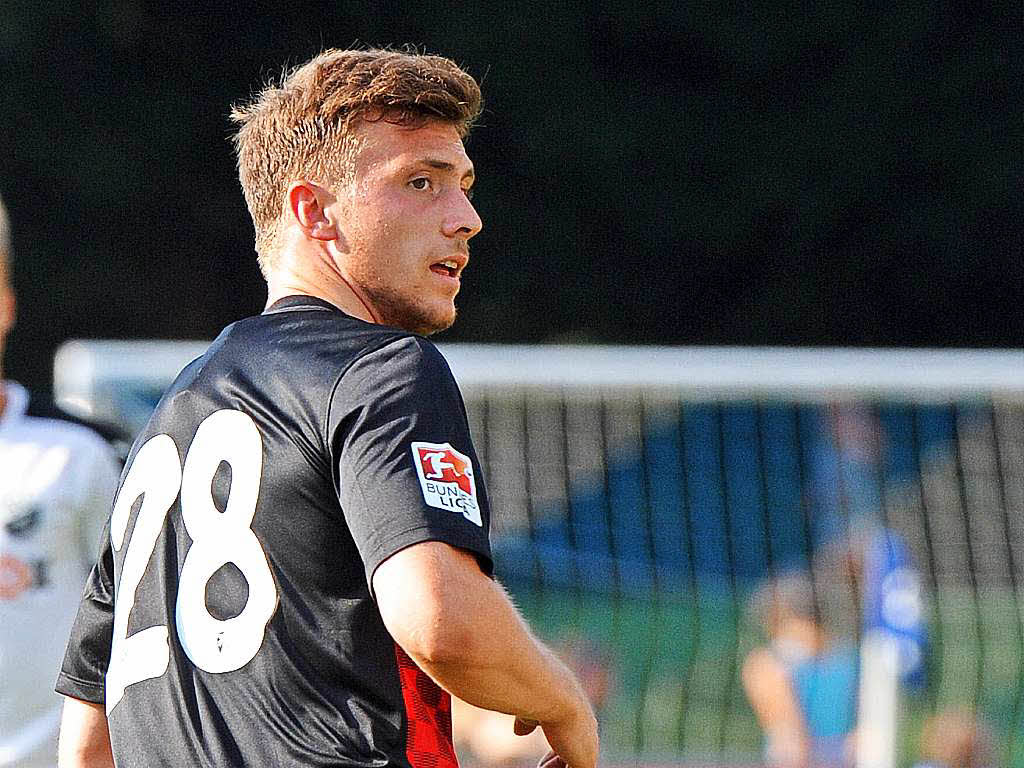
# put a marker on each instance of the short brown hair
(302, 128)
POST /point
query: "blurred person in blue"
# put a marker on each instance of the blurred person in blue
(802, 685)
(845, 472)
(57, 480)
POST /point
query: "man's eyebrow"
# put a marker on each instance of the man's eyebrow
(444, 165)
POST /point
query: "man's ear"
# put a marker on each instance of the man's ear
(307, 206)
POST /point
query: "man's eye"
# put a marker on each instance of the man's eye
(420, 183)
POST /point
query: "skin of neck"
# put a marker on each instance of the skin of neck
(803, 632)
(306, 266)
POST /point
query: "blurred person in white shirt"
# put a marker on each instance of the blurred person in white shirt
(57, 480)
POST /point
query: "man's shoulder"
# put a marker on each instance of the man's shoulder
(396, 353)
(405, 371)
(305, 320)
(44, 416)
(317, 338)
(297, 356)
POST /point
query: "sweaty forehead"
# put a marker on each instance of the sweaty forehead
(384, 146)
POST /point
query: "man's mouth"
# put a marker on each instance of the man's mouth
(448, 268)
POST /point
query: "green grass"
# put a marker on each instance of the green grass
(676, 695)
(655, 648)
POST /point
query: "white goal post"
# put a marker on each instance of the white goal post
(85, 370)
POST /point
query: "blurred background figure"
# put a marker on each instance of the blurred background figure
(57, 479)
(802, 685)
(955, 740)
(485, 739)
(846, 473)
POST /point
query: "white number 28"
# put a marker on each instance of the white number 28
(218, 538)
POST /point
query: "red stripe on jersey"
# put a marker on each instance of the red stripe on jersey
(428, 710)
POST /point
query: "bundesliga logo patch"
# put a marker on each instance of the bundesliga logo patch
(446, 478)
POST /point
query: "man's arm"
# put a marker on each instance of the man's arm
(776, 707)
(84, 738)
(460, 628)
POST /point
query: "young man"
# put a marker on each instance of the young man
(298, 567)
(57, 479)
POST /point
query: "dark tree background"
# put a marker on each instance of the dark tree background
(682, 173)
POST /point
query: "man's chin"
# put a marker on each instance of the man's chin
(438, 327)
(422, 323)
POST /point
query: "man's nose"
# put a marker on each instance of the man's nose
(462, 218)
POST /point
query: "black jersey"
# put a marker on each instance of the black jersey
(230, 620)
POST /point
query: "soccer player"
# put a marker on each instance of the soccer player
(802, 686)
(57, 479)
(298, 567)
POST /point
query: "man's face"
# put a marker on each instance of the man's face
(405, 222)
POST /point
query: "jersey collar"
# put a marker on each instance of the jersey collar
(299, 301)
(17, 403)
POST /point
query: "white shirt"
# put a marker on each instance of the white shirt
(57, 481)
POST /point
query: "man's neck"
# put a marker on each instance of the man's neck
(3, 395)
(276, 292)
(326, 283)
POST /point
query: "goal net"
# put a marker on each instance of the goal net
(651, 505)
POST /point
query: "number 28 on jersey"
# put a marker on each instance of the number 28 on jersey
(218, 538)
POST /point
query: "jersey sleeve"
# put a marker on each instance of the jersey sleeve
(83, 672)
(404, 463)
